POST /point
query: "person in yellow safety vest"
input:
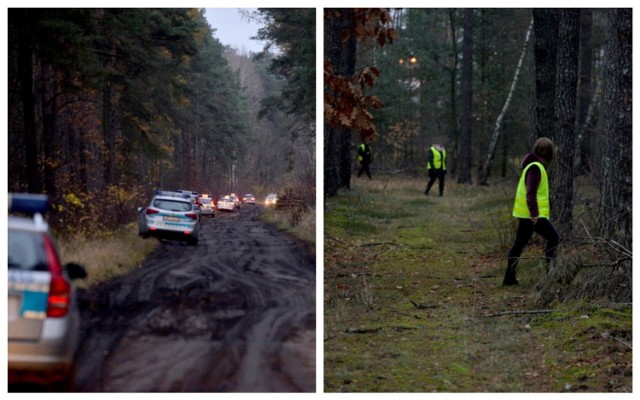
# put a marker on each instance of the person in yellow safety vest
(532, 208)
(436, 167)
(364, 158)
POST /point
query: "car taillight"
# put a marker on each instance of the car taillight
(59, 288)
(151, 211)
(192, 216)
(59, 297)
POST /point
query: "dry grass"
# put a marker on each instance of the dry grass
(301, 224)
(105, 258)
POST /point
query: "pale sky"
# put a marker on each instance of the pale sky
(233, 29)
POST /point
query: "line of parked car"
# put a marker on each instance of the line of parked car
(43, 317)
(177, 214)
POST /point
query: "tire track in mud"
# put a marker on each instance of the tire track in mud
(235, 313)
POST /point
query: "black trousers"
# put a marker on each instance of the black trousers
(542, 227)
(433, 175)
(364, 167)
(526, 228)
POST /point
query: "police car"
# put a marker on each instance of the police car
(207, 207)
(170, 215)
(44, 322)
(226, 203)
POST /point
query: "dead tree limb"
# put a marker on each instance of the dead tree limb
(519, 312)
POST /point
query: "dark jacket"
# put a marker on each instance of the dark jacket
(364, 155)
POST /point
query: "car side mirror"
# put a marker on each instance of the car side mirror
(75, 271)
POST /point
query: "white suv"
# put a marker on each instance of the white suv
(170, 215)
(44, 321)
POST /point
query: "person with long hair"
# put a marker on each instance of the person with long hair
(532, 207)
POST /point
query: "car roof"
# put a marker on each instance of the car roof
(174, 198)
(35, 224)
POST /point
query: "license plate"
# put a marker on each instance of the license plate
(171, 219)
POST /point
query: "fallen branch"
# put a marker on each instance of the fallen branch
(608, 335)
(519, 312)
(377, 244)
(421, 306)
(363, 330)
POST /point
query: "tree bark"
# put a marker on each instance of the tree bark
(49, 137)
(583, 138)
(566, 94)
(342, 56)
(616, 164)
(453, 93)
(464, 155)
(25, 66)
(545, 27)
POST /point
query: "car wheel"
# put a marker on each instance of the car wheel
(193, 242)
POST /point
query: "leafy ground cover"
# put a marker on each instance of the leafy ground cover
(413, 300)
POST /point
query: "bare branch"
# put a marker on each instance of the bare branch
(519, 312)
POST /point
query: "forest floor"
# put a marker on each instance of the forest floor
(414, 300)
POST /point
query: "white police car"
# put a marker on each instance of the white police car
(226, 203)
(44, 322)
(170, 215)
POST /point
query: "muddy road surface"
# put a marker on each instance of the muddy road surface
(236, 313)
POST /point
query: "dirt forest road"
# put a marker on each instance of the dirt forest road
(234, 314)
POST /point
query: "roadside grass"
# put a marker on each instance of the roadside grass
(301, 225)
(413, 300)
(106, 257)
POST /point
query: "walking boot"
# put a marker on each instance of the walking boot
(510, 275)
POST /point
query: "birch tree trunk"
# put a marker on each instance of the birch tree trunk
(486, 168)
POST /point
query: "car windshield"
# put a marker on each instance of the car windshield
(172, 205)
(26, 251)
(205, 201)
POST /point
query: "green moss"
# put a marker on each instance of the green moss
(416, 281)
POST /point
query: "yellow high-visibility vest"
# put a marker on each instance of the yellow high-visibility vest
(520, 209)
(439, 159)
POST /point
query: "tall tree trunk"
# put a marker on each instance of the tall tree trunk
(566, 94)
(25, 66)
(49, 137)
(464, 155)
(583, 138)
(342, 56)
(453, 93)
(545, 27)
(616, 165)
(107, 133)
(486, 169)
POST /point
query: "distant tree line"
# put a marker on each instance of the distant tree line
(106, 105)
